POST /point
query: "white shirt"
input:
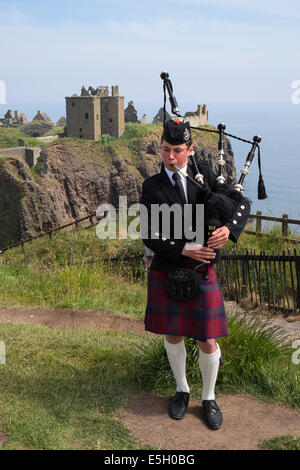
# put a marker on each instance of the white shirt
(183, 180)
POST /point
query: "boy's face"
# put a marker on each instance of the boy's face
(174, 155)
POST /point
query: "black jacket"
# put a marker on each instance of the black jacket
(158, 189)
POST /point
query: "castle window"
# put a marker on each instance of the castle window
(86, 115)
(110, 120)
(80, 130)
(97, 117)
(73, 103)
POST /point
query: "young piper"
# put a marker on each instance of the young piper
(203, 316)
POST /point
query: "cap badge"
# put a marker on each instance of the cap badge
(186, 135)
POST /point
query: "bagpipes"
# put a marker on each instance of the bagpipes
(220, 203)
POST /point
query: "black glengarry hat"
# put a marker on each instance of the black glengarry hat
(176, 132)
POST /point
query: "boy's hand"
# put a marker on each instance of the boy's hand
(218, 238)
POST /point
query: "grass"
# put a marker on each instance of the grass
(255, 363)
(66, 392)
(9, 138)
(80, 287)
(60, 389)
(285, 442)
(271, 240)
(75, 270)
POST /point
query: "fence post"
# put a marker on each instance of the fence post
(258, 222)
(297, 266)
(285, 225)
(244, 277)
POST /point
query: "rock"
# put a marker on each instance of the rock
(36, 129)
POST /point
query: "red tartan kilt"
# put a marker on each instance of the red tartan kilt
(202, 317)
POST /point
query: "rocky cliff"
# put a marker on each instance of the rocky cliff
(72, 177)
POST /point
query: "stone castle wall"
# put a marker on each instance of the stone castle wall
(112, 113)
(84, 117)
(28, 154)
(95, 113)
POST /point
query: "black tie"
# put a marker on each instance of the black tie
(179, 187)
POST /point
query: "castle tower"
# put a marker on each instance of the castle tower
(95, 113)
(83, 117)
(202, 113)
(112, 113)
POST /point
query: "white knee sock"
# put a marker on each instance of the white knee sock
(177, 359)
(209, 366)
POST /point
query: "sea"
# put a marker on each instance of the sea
(278, 124)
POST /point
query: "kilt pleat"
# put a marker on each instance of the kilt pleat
(202, 317)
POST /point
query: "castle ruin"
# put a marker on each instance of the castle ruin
(197, 118)
(13, 119)
(95, 113)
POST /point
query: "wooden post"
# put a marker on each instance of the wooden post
(244, 277)
(297, 266)
(285, 225)
(258, 222)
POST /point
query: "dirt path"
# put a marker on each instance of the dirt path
(246, 419)
(71, 319)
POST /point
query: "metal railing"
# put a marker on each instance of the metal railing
(267, 279)
(49, 233)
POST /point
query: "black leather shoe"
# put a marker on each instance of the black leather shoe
(212, 414)
(179, 404)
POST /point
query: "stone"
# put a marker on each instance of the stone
(42, 117)
(61, 122)
(23, 118)
(144, 119)
(8, 114)
(36, 129)
(159, 117)
(84, 92)
(130, 113)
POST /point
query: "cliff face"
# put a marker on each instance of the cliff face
(73, 177)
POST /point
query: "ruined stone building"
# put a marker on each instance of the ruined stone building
(42, 117)
(95, 113)
(130, 113)
(197, 118)
(159, 117)
(12, 120)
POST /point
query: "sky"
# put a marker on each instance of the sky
(214, 50)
